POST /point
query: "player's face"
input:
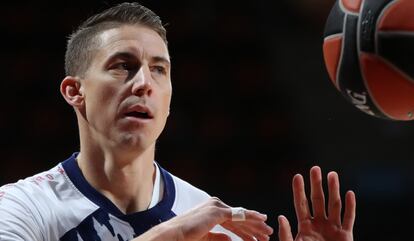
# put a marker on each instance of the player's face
(127, 88)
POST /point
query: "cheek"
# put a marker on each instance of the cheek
(105, 93)
(167, 101)
(101, 99)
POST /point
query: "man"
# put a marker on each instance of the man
(118, 82)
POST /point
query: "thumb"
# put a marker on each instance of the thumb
(216, 237)
(285, 234)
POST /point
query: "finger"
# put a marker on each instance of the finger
(254, 215)
(317, 195)
(334, 202)
(256, 233)
(217, 202)
(249, 214)
(285, 234)
(222, 211)
(238, 231)
(299, 197)
(216, 237)
(258, 229)
(349, 213)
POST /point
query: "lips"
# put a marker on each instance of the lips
(138, 111)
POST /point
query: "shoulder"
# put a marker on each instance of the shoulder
(187, 195)
(24, 205)
(17, 220)
(27, 190)
(190, 191)
(31, 207)
(35, 189)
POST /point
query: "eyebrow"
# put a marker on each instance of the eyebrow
(129, 56)
(161, 59)
(122, 55)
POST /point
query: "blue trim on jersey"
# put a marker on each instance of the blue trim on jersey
(139, 221)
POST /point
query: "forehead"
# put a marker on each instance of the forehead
(136, 39)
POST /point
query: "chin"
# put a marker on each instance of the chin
(134, 143)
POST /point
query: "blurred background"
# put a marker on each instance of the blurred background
(252, 106)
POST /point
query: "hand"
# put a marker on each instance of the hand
(320, 227)
(195, 225)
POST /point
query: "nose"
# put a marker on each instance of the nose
(142, 82)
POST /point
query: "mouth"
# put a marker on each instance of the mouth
(138, 114)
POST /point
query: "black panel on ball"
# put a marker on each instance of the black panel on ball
(349, 69)
(350, 79)
(398, 48)
(335, 22)
(367, 24)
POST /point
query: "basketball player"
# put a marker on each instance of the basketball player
(118, 82)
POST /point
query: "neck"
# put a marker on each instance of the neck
(126, 180)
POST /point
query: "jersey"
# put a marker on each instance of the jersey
(60, 204)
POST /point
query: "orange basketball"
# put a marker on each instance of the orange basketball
(369, 55)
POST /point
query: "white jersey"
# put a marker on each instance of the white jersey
(60, 204)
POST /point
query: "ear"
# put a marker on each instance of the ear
(71, 90)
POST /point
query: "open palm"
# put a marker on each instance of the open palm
(321, 226)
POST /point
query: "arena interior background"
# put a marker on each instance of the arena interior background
(252, 106)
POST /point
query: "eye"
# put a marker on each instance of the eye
(125, 66)
(158, 69)
(124, 69)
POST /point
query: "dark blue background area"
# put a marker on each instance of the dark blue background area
(252, 105)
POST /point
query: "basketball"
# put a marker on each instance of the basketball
(368, 50)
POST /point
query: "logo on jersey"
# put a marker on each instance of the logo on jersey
(100, 226)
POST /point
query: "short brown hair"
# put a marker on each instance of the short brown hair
(81, 42)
